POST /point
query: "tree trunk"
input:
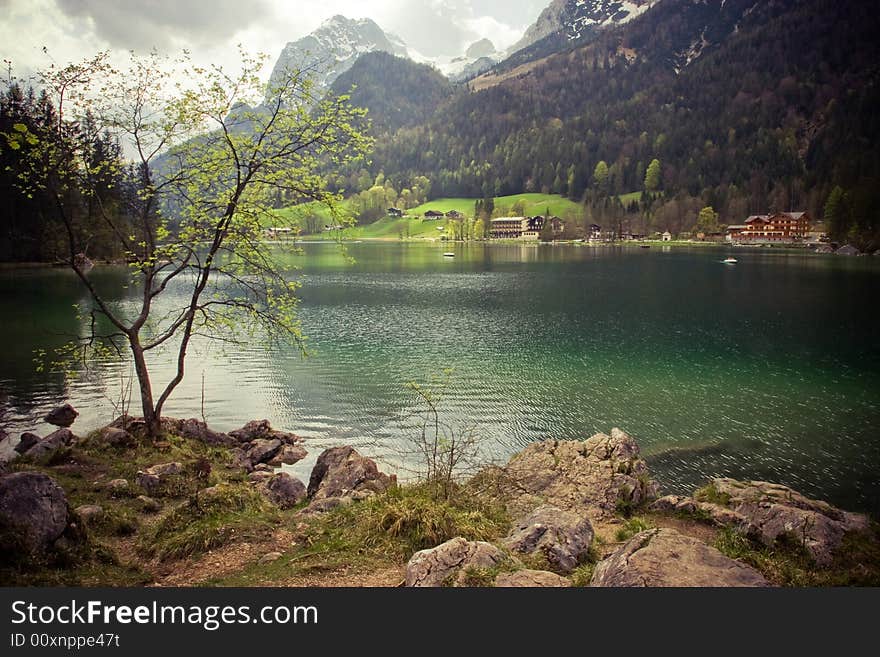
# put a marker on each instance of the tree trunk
(151, 418)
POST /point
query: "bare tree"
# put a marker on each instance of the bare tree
(211, 151)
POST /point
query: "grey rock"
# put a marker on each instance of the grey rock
(769, 512)
(118, 487)
(35, 506)
(283, 490)
(663, 557)
(591, 478)
(154, 477)
(448, 563)
(198, 430)
(27, 441)
(52, 442)
(261, 429)
(340, 471)
(562, 537)
(270, 557)
(116, 437)
(89, 512)
(263, 449)
(62, 416)
(530, 579)
(289, 455)
(148, 504)
(259, 475)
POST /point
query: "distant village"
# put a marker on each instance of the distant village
(778, 228)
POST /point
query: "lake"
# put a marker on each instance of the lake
(767, 369)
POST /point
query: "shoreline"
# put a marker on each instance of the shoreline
(204, 508)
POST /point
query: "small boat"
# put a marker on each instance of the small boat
(729, 261)
(644, 246)
(448, 254)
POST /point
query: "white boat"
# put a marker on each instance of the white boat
(729, 261)
(448, 255)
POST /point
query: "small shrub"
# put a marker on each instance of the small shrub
(581, 576)
(712, 495)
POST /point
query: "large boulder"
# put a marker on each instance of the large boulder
(771, 512)
(448, 563)
(341, 471)
(597, 477)
(663, 557)
(52, 442)
(530, 579)
(563, 538)
(34, 507)
(63, 416)
(283, 490)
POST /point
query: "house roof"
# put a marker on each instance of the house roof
(737, 227)
(756, 217)
(508, 219)
(793, 215)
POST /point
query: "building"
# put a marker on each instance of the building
(524, 228)
(395, 212)
(594, 232)
(732, 233)
(666, 237)
(508, 228)
(434, 214)
(777, 228)
(455, 214)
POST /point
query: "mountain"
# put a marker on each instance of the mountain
(747, 105)
(335, 46)
(397, 92)
(481, 48)
(566, 21)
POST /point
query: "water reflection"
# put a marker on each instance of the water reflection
(767, 370)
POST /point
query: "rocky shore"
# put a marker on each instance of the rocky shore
(115, 508)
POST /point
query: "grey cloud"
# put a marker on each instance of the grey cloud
(148, 23)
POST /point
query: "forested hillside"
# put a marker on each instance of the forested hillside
(398, 92)
(747, 107)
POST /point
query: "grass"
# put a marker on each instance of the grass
(381, 531)
(787, 563)
(414, 226)
(232, 511)
(631, 527)
(712, 495)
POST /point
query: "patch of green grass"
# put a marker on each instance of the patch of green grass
(381, 531)
(631, 527)
(205, 522)
(118, 521)
(787, 563)
(581, 576)
(712, 495)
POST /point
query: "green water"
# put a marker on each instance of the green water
(768, 369)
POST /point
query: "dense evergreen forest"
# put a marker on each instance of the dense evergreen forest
(31, 229)
(738, 106)
(745, 107)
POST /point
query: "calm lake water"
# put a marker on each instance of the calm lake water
(768, 369)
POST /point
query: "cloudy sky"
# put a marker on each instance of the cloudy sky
(75, 29)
